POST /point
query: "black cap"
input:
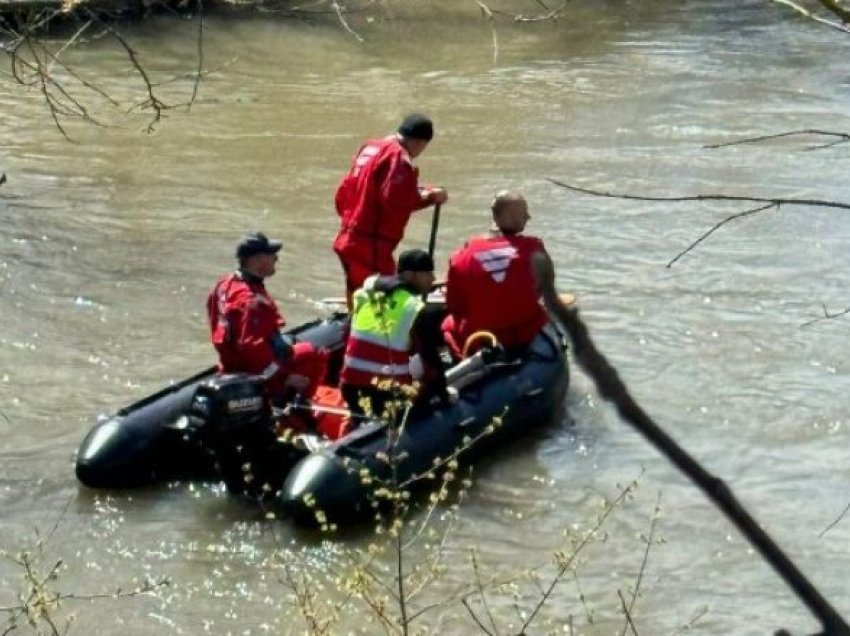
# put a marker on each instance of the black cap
(417, 127)
(256, 243)
(415, 261)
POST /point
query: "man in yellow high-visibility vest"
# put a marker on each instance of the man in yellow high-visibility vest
(391, 327)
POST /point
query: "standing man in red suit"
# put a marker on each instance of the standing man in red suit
(376, 198)
(491, 284)
(245, 326)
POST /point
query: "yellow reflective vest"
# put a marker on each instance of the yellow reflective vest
(379, 345)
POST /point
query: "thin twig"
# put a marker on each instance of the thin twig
(344, 22)
(487, 12)
(475, 617)
(430, 576)
(649, 541)
(153, 101)
(43, 86)
(477, 570)
(588, 613)
(837, 9)
(55, 57)
(843, 138)
(145, 588)
(551, 14)
(402, 598)
(567, 562)
(197, 84)
(629, 621)
(836, 521)
(59, 519)
(811, 16)
(706, 197)
(770, 202)
(79, 109)
(687, 627)
(826, 316)
(717, 226)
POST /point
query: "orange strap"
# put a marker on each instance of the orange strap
(475, 337)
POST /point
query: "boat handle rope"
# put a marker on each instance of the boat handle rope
(475, 337)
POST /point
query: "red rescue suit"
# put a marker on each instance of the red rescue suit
(374, 201)
(490, 286)
(243, 318)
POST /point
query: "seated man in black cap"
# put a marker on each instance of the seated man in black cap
(245, 326)
(376, 198)
(389, 324)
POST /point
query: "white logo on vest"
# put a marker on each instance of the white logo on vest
(497, 260)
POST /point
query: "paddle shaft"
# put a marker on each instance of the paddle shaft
(435, 224)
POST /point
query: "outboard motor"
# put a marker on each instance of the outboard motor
(229, 405)
(232, 417)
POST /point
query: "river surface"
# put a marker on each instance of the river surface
(109, 245)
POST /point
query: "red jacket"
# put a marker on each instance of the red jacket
(490, 286)
(243, 317)
(374, 201)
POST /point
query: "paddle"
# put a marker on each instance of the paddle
(435, 223)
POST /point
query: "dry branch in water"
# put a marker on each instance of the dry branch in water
(826, 316)
(835, 521)
(769, 203)
(842, 138)
(549, 13)
(830, 5)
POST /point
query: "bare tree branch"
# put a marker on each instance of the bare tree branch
(812, 16)
(826, 316)
(344, 22)
(480, 589)
(567, 561)
(717, 226)
(475, 618)
(627, 612)
(836, 521)
(551, 14)
(196, 85)
(152, 101)
(705, 197)
(48, 98)
(74, 74)
(774, 202)
(842, 138)
(837, 9)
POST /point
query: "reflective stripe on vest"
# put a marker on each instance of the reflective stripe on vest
(379, 342)
(377, 368)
